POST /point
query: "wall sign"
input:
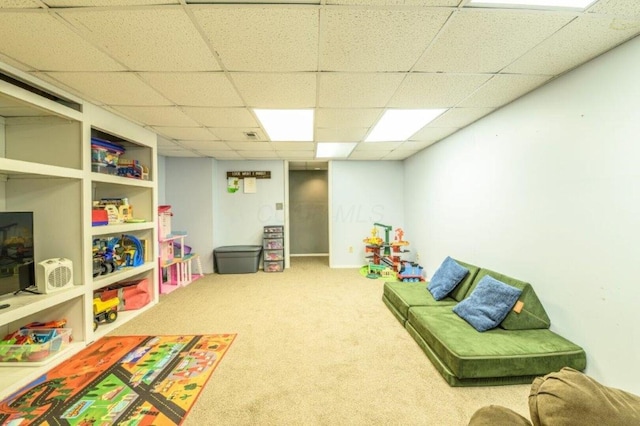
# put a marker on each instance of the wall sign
(251, 174)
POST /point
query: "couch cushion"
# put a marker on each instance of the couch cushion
(462, 289)
(446, 278)
(488, 304)
(403, 295)
(494, 353)
(569, 397)
(532, 314)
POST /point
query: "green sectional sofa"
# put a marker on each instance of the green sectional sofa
(520, 349)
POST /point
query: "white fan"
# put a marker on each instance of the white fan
(54, 275)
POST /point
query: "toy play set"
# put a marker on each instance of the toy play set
(385, 257)
(106, 157)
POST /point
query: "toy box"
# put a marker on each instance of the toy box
(43, 344)
(236, 259)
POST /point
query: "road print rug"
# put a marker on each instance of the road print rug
(124, 380)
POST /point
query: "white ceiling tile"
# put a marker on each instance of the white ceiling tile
(238, 133)
(251, 146)
(44, 43)
(431, 134)
(288, 90)
(145, 39)
(399, 155)
(157, 116)
(440, 3)
(256, 38)
(502, 89)
(488, 40)
(340, 118)
(420, 90)
(414, 146)
(297, 155)
(460, 117)
(368, 155)
(98, 86)
(293, 146)
(581, 40)
(221, 117)
(256, 155)
(106, 3)
(195, 88)
(378, 146)
(205, 145)
(339, 90)
(630, 8)
(186, 133)
(357, 39)
(221, 155)
(340, 135)
(178, 153)
(19, 4)
(166, 143)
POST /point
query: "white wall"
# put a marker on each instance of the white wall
(362, 193)
(189, 191)
(161, 177)
(547, 190)
(239, 218)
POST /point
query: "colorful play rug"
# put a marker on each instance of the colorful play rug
(123, 380)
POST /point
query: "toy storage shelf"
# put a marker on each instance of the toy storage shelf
(46, 168)
(122, 275)
(121, 228)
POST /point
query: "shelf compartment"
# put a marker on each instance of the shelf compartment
(26, 305)
(122, 275)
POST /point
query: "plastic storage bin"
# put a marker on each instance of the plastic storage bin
(104, 156)
(236, 259)
(277, 266)
(36, 352)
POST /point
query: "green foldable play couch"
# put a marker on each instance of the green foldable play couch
(520, 349)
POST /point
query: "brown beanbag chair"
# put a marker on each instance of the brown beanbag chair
(496, 415)
(569, 397)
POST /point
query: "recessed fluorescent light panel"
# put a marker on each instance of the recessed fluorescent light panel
(534, 4)
(334, 149)
(399, 124)
(287, 125)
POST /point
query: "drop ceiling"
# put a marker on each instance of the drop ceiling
(193, 73)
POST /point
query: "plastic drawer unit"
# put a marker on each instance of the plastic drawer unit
(236, 259)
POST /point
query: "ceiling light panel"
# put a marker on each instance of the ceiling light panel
(285, 125)
(534, 4)
(253, 38)
(485, 41)
(399, 124)
(334, 149)
(373, 40)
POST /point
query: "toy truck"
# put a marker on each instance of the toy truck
(104, 311)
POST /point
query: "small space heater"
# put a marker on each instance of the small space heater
(54, 275)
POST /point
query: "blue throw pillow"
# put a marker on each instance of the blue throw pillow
(488, 304)
(446, 278)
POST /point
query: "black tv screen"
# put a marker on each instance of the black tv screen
(16, 251)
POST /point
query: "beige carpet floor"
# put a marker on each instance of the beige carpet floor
(315, 346)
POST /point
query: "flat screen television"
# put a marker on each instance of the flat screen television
(16, 252)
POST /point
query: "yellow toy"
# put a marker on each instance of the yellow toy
(374, 239)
